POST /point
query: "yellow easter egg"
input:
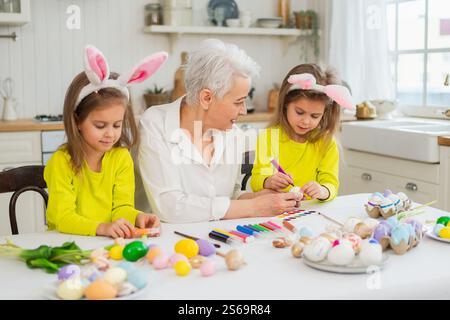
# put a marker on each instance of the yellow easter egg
(115, 252)
(182, 268)
(100, 290)
(152, 253)
(445, 233)
(187, 247)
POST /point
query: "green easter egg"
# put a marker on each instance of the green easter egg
(444, 220)
(134, 251)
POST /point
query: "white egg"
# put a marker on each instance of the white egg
(350, 224)
(115, 276)
(371, 253)
(71, 289)
(371, 222)
(387, 205)
(317, 249)
(342, 254)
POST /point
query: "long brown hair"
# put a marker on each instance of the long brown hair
(330, 119)
(72, 117)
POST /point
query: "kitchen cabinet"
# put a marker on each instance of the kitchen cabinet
(14, 12)
(21, 149)
(366, 172)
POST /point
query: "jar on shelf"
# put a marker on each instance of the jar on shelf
(153, 14)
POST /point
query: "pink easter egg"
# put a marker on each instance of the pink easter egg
(208, 268)
(161, 262)
(175, 258)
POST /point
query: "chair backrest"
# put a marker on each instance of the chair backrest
(19, 180)
(246, 168)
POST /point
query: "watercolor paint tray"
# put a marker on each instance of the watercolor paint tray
(354, 268)
(295, 214)
(430, 234)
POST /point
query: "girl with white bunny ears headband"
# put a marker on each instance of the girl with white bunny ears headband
(97, 71)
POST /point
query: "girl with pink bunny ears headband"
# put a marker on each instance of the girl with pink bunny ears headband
(97, 71)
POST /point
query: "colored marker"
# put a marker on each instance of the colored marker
(221, 237)
(279, 168)
(248, 231)
(256, 230)
(290, 226)
(228, 234)
(193, 238)
(268, 226)
(245, 237)
(261, 228)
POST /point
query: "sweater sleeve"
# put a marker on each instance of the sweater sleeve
(262, 167)
(123, 188)
(328, 170)
(62, 206)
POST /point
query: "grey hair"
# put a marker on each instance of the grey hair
(213, 66)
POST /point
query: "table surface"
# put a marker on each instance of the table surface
(270, 273)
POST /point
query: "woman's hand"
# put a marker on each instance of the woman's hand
(278, 181)
(273, 204)
(316, 191)
(121, 228)
(147, 220)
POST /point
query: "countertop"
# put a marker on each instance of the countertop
(269, 273)
(29, 125)
(444, 141)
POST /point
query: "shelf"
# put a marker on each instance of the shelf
(175, 32)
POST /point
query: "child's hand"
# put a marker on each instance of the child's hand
(121, 228)
(278, 181)
(316, 191)
(147, 220)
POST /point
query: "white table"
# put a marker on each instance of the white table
(270, 273)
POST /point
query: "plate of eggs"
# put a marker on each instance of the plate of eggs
(122, 282)
(349, 254)
(441, 230)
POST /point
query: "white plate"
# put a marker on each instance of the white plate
(355, 267)
(49, 292)
(435, 237)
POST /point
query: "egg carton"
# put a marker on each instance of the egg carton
(400, 237)
(387, 204)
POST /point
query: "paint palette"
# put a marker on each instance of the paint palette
(295, 214)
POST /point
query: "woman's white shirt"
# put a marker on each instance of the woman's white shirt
(179, 185)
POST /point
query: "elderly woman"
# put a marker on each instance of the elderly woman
(190, 153)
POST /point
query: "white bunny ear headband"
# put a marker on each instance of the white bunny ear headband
(338, 93)
(97, 71)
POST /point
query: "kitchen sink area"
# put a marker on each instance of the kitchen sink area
(407, 138)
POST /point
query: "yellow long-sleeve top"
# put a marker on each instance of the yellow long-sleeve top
(305, 162)
(77, 204)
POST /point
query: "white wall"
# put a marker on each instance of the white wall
(47, 55)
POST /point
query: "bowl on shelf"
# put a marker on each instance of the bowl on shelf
(233, 23)
(274, 22)
(384, 108)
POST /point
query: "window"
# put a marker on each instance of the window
(419, 46)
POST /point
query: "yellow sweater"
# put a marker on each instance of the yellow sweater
(77, 204)
(305, 162)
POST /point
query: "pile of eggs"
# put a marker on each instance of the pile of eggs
(74, 283)
(442, 227)
(387, 204)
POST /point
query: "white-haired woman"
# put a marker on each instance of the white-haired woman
(190, 153)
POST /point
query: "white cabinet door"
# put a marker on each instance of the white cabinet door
(29, 209)
(418, 191)
(444, 184)
(358, 180)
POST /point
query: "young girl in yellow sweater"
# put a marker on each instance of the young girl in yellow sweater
(300, 138)
(90, 179)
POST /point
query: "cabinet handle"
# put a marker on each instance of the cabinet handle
(411, 186)
(366, 176)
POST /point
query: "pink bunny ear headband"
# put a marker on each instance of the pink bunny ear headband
(338, 93)
(97, 71)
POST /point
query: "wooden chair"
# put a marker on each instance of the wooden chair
(246, 168)
(19, 180)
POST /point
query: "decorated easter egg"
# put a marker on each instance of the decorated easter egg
(371, 222)
(100, 290)
(234, 259)
(387, 207)
(387, 192)
(138, 278)
(443, 220)
(208, 268)
(305, 232)
(445, 233)
(182, 268)
(115, 276)
(134, 251)
(297, 249)
(437, 228)
(354, 240)
(196, 261)
(161, 262)
(205, 248)
(330, 236)
(298, 191)
(188, 247)
(399, 233)
(362, 230)
(127, 266)
(317, 249)
(68, 271)
(176, 257)
(70, 289)
(153, 253)
(395, 200)
(371, 253)
(350, 224)
(341, 254)
(115, 252)
(151, 245)
(281, 242)
(126, 289)
(382, 233)
(393, 221)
